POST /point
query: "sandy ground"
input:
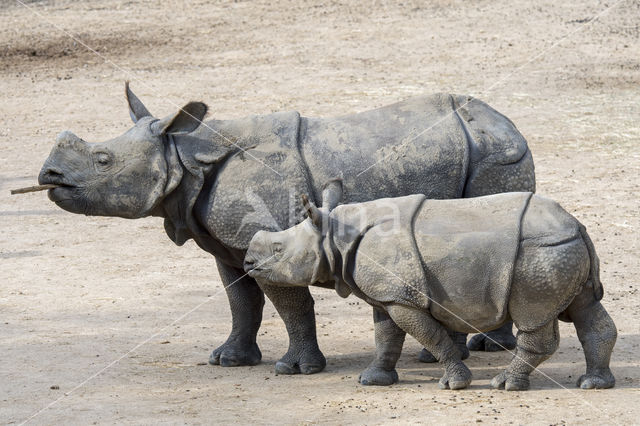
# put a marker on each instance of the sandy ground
(104, 320)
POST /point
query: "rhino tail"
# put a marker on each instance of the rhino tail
(594, 261)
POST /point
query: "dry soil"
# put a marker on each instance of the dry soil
(104, 320)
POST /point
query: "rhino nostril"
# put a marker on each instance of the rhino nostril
(50, 174)
(53, 171)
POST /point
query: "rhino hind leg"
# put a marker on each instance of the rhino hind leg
(434, 337)
(389, 341)
(597, 334)
(495, 178)
(246, 301)
(496, 340)
(532, 348)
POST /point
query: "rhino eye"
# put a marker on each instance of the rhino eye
(277, 247)
(102, 158)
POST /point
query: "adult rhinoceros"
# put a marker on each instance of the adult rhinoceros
(219, 182)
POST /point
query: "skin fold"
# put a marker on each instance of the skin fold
(219, 182)
(411, 272)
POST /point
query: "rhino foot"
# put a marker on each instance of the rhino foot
(427, 357)
(310, 362)
(376, 376)
(456, 376)
(493, 341)
(232, 354)
(598, 379)
(510, 382)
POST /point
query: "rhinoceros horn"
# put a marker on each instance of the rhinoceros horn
(186, 120)
(137, 110)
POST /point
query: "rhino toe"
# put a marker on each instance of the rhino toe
(597, 380)
(510, 382)
(229, 355)
(498, 381)
(311, 368)
(287, 368)
(456, 376)
(376, 376)
(309, 362)
(516, 384)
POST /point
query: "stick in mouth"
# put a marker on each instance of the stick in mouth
(33, 188)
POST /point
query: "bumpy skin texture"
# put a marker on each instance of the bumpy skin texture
(463, 265)
(222, 182)
(389, 341)
(555, 273)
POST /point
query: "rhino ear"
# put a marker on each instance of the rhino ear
(137, 110)
(332, 194)
(184, 121)
(312, 211)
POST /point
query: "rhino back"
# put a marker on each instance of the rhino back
(415, 146)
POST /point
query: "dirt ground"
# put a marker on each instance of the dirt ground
(104, 320)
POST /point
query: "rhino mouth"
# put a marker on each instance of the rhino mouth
(54, 179)
(252, 267)
(65, 195)
(55, 194)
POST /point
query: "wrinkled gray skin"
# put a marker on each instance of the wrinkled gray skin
(552, 272)
(221, 182)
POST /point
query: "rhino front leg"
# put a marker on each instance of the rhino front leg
(246, 301)
(389, 341)
(295, 306)
(433, 336)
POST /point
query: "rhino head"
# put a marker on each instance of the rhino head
(126, 176)
(295, 256)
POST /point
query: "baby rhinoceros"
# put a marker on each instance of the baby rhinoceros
(467, 265)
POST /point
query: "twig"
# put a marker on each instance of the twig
(33, 188)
